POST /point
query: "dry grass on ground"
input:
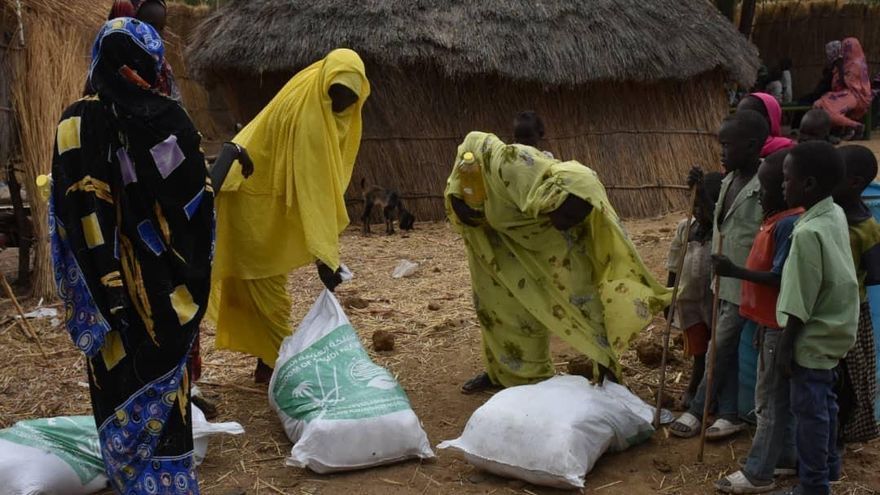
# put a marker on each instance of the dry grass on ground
(437, 350)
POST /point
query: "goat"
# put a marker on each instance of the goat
(390, 203)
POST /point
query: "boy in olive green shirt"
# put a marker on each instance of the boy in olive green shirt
(819, 307)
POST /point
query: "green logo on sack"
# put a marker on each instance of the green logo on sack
(335, 379)
(73, 439)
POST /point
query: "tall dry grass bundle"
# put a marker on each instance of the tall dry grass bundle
(799, 30)
(50, 70)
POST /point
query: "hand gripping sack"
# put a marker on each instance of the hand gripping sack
(552, 433)
(341, 410)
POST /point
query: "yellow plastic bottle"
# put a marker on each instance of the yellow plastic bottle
(473, 190)
(44, 186)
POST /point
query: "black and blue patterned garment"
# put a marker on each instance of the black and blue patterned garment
(132, 228)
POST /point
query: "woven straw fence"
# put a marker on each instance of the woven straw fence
(633, 135)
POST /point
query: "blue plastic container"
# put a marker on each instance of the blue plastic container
(872, 199)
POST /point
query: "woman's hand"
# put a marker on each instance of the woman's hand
(465, 213)
(606, 373)
(573, 211)
(330, 278)
(247, 165)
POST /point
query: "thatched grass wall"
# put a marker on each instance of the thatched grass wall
(799, 30)
(208, 109)
(632, 134)
(48, 56)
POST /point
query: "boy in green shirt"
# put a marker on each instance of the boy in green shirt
(819, 308)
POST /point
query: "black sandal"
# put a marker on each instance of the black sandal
(478, 383)
(263, 373)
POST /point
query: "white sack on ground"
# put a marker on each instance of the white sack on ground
(61, 456)
(53, 456)
(341, 410)
(552, 433)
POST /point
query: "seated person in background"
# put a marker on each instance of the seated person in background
(779, 84)
(528, 129)
(850, 95)
(815, 126)
(822, 86)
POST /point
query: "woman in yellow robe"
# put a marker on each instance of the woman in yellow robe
(290, 212)
(547, 253)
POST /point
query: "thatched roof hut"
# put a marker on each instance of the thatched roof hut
(633, 89)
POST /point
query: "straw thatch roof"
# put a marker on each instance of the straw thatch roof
(552, 42)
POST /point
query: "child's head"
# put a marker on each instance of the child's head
(755, 104)
(710, 190)
(742, 136)
(770, 176)
(815, 126)
(860, 167)
(811, 172)
(528, 128)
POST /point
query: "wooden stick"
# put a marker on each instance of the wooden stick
(25, 325)
(678, 276)
(648, 186)
(710, 362)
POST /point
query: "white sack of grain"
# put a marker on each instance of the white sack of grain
(341, 410)
(552, 433)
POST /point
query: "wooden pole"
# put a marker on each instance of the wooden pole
(23, 225)
(747, 17)
(25, 325)
(727, 7)
(710, 362)
(678, 275)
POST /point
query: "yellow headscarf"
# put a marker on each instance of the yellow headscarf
(292, 210)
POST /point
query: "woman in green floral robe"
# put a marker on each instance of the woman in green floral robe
(547, 253)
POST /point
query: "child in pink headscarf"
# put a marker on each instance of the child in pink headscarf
(850, 96)
(766, 105)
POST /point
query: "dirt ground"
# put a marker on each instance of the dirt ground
(437, 350)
